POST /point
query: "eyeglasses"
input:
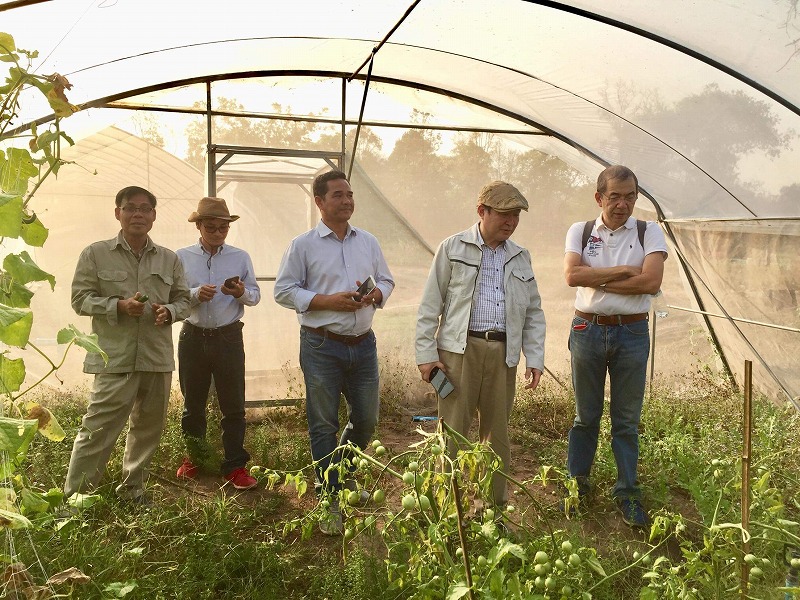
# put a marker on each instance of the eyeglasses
(629, 198)
(131, 209)
(212, 229)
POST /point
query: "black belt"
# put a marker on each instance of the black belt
(611, 319)
(492, 336)
(211, 332)
(350, 340)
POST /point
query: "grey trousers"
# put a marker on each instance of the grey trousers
(485, 385)
(139, 398)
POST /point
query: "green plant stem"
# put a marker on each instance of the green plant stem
(633, 564)
(53, 367)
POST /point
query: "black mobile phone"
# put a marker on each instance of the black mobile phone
(365, 288)
(440, 383)
(230, 281)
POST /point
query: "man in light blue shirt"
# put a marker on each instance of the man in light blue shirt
(222, 282)
(318, 278)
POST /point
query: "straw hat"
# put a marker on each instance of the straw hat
(212, 208)
(502, 197)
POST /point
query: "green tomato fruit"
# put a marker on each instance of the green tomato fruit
(540, 569)
(716, 462)
(574, 560)
(424, 502)
(550, 583)
(349, 534)
(375, 444)
(363, 463)
(436, 449)
(510, 508)
(325, 504)
(539, 582)
(255, 470)
(369, 522)
(353, 498)
(541, 557)
(378, 496)
(380, 451)
(756, 572)
(795, 562)
(482, 562)
(646, 559)
(749, 558)
(488, 515)
(636, 555)
(409, 502)
(560, 564)
(566, 590)
(413, 466)
(586, 596)
(408, 478)
(566, 546)
(459, 552)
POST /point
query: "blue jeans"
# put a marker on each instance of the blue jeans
(622, 351)
(330, 369)
(200, 357)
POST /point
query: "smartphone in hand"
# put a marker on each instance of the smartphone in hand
(230, 282)
(365, 288)
(440, 383)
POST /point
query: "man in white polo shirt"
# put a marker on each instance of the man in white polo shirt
(616, 268)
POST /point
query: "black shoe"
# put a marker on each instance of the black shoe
(633, 513)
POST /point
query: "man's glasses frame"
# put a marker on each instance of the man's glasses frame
(131, 209)
(215, 229)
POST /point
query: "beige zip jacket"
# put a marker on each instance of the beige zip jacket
(444, 310)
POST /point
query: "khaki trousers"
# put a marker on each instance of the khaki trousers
(139, 398)
(483, 384)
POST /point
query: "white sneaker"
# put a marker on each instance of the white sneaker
(331, 522)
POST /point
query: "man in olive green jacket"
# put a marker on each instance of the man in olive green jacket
(134, 290)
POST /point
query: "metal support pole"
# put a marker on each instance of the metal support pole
(746, 453)
(211, 166)
(654, 318)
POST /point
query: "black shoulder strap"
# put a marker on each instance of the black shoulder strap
(587, 231)
(641, 226)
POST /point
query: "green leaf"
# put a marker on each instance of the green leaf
(34, 234)
(12, 374)
(15, 326)
(10, 214)
(7, 44)
(505, 547)
(87, 341)
(12, 520)
(459, 590)
(595, 565)
(15, 436)
(84, 500)
(33, 502)
(13, 294)
(16, 171)
(22, 268)
(120, 589)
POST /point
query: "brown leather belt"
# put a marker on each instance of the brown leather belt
(350, 340)
(492, 336)
(211, 332)
(611, 319)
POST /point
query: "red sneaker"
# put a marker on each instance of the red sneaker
(187, 470)
(241, 479)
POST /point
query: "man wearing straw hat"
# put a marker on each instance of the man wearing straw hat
(221, 282)
(480, 308)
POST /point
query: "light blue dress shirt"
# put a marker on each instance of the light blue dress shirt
(202, 268)
(318, 262)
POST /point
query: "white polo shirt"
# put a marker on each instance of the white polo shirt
(607, 248)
